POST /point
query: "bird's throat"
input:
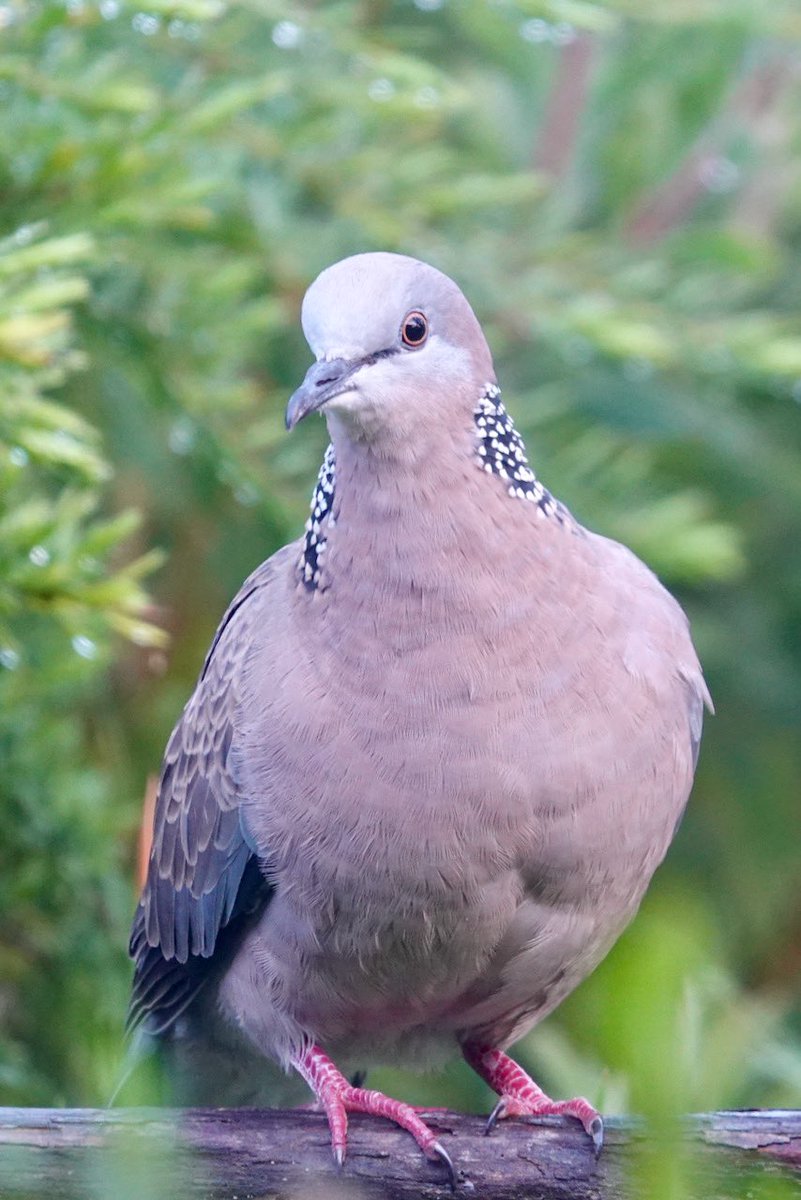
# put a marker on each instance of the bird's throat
(417, 520)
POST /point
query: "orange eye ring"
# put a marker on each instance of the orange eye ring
(414, 329)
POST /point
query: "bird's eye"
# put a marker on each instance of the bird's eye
(414, 330)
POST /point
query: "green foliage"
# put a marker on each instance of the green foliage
(62, 596)
(616, 188)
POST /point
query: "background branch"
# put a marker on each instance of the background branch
(567, 98)
(751, 106)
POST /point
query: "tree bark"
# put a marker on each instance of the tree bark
(235, 1154)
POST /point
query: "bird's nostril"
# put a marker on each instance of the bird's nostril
(329, 372)
(319, 385)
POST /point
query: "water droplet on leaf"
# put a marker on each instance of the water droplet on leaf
(287, 35)
(39, 556)
(84, 646)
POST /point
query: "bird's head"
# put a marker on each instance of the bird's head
(396, 343)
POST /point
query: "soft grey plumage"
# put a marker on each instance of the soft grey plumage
(439, 744)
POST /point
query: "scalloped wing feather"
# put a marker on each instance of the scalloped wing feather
(203, 877)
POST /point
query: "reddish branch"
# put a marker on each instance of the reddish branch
(750, 106)
(561, 125)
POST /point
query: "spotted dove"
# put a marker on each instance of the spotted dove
(437, 749)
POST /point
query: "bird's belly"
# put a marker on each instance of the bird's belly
(446, 867)
(404, 988)
(375, 970)
(397, 968)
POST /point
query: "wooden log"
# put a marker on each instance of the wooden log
(237, 1154)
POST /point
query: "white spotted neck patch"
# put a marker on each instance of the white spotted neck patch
(502, 452)
(321, 518)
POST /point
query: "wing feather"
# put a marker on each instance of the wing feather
(203, 878)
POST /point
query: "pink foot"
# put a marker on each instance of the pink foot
(520, 1096)
(338, 1098)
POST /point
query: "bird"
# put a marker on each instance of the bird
(438, 747)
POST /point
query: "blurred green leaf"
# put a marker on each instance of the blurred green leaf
(615, 186)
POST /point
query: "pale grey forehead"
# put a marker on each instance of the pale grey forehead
(357, 305)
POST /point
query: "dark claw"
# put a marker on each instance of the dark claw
(358, 1079)
(445, 1159)
(596, 1132)
(494, 1117)
(339, 1158)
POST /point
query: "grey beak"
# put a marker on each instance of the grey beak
(323, 381)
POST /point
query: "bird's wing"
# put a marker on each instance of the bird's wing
(698, 699)
(203, 878)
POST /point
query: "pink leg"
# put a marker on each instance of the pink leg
(520, 1096)
(338, 1098)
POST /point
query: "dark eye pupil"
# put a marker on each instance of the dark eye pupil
(414, 330)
